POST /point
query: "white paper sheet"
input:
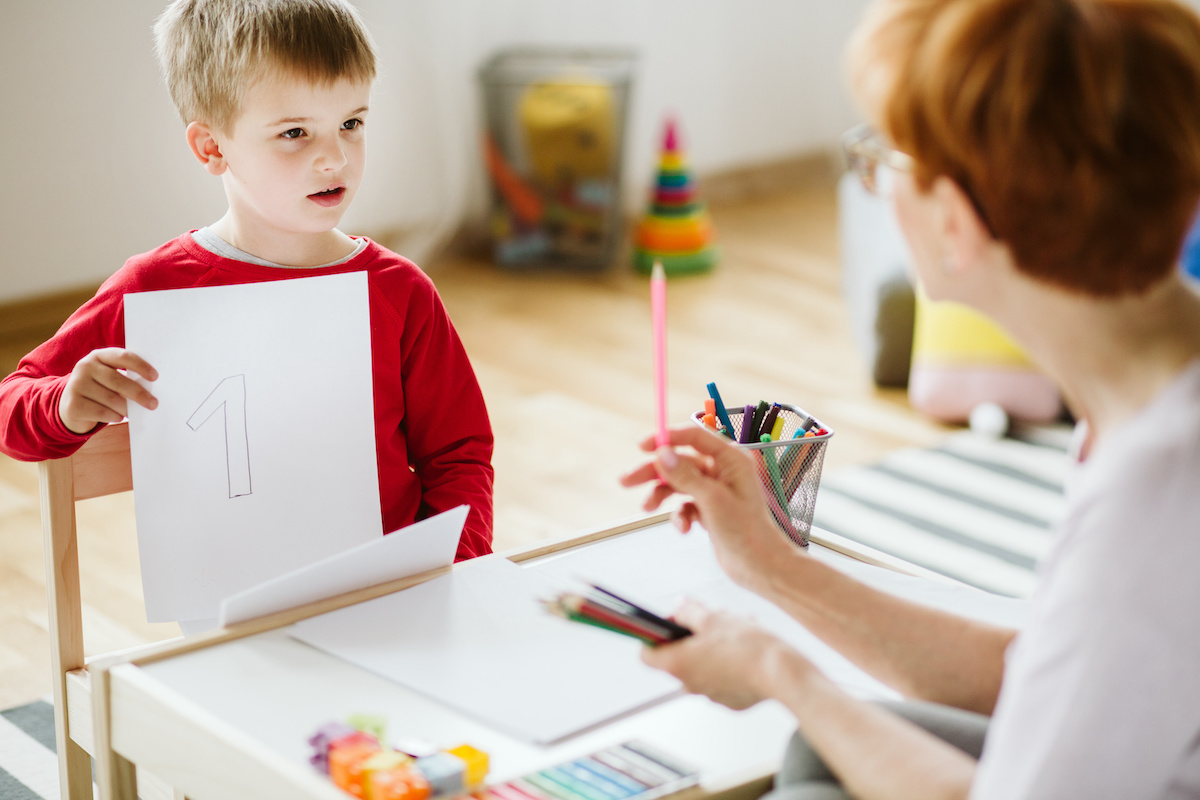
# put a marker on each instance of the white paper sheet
(420, 547)
(478, 640)
(260, 458)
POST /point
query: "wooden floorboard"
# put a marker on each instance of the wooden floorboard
(565, 364)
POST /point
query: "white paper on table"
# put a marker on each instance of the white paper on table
(477, 639)
(420, 547)
(657, 567)
(260, 457)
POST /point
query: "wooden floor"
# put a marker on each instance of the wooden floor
(565, 364)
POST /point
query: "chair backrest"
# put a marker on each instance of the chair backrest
(100, 467)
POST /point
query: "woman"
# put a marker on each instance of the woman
(1044, 163)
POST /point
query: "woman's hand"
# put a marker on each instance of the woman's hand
(727, 499)
(98, 391)
(726, 658)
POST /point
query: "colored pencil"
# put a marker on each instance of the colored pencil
(658, 310)
(672, 627)
(580, 609)
(603, 609)
(722, 413)
(747, 425)
(558, 610)
(768, 423)
(756, 421)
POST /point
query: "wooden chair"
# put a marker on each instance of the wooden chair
(101, 467)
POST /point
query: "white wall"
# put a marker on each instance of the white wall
(96, 168)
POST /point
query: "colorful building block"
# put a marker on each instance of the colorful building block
(476, 761)
(320, 741)
(402, 782)
(446, 773)
(369, 723)
(357, 763)
(387, 759)
(346, 760)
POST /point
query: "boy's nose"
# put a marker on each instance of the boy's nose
(332, 156)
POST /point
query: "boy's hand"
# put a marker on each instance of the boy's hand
(97, 392)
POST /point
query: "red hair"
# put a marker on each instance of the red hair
(1073, 125)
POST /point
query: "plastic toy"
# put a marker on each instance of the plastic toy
(676, 229)
(446, 773)
(568, 124)
(357, 762)
(476, 761)
(961, 359)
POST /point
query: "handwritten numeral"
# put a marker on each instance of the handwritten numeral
(229, 397)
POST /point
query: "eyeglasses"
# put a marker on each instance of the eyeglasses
(873, 159)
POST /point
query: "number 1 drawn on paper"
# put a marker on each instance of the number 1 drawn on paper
(230, 398)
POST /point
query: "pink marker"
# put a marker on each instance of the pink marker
(658, 310)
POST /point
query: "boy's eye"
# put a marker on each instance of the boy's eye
(292, 133)
(352, 124)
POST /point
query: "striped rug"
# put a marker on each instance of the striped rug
(28, 764)
(978, 509)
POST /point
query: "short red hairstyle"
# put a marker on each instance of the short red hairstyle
(1073, 125)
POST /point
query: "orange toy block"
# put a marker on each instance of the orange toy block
(346, 760)
(398, 783)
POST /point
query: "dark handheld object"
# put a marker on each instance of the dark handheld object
(674, 631)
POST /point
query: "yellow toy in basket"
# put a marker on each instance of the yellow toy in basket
(568, 125)
(961, 359)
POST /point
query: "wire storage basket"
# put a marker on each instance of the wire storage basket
(789, 466)
(554, 149)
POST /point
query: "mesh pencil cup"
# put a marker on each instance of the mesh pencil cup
(789, 469)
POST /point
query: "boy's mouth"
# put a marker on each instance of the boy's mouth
(328, 197)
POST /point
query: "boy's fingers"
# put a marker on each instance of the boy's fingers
(94, 411)
(129, 389)
(118, 358)
(103, 397)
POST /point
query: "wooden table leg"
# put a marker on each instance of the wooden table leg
(116, 776)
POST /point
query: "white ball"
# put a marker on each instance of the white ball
(989, 419)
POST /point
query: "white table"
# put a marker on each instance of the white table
(226, 715)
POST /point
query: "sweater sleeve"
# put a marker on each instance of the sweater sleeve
(30, 428)
(449, 433)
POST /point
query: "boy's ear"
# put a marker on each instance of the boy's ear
(205, 147)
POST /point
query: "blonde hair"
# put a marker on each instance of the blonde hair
(1073, 125)
(212, 51)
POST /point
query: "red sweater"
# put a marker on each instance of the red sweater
(433, 439)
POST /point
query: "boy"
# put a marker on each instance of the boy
(274, 94)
